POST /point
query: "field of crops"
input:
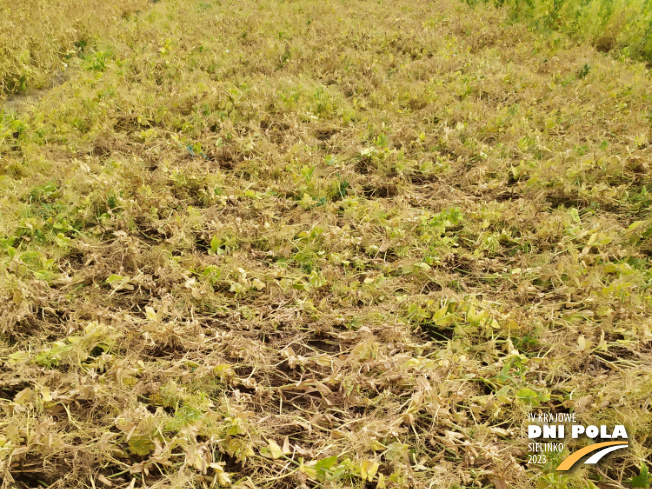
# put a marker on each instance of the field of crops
(620, 27)
(298, 244)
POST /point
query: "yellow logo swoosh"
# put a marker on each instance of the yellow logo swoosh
(571, 459)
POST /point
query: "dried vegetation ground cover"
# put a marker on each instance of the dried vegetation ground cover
(323, 244)
(38, 38)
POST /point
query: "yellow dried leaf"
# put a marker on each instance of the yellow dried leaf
(311, 472)
(46, 394)
(272, 450)
(141, 445)
(368, 469)
(25, 396)
(222, 477)
(151, 313)
(286, 446)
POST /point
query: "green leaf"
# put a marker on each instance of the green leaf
(528, 396)
(643, 479)
(113, 279)
(215, 244)
(325, 465)
(635, 225)
(119, 282)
